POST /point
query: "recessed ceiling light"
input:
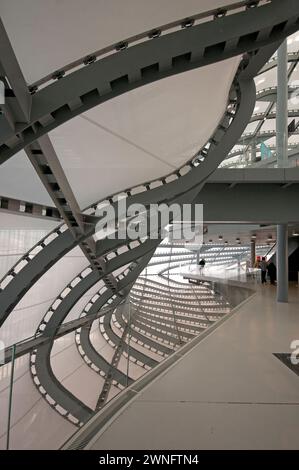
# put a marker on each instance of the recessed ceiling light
(253, 236)
(295, 234)
(220, 237)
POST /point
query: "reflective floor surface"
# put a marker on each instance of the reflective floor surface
(229, 392)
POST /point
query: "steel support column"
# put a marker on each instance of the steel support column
(282, 106)
(282, 155)
(253, 152)
(252, 253)
(282, 263)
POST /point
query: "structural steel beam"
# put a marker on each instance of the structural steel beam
(259, 137)
(271, 105)
(18, 99)
(149, 61)
(43, 157)
(256, 30)
(292, 113)
(28, 345)
(235, 153)
(292, 57)
(270, 94)
(46, 163)
(254, 175)
(32, 271)
(141, 337)
(42, 363)
(149, 311)
(185, 187)
(80, 289)
(257, 203)
(112, 370)
(30, 209)
(98, 360)
(48, 167)
(149, 325)
(135, 353)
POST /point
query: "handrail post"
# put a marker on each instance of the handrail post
(10, 395)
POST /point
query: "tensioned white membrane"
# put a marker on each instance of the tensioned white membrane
(17, 235)
(74, 374)
(144, 134)
(135, 137)
(78, 308)
(99, 342)
(266, 80)
(19, 180)
(25, 318)
(47, 35)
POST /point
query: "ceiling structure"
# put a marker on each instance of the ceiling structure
(263, 120)
(218, 129)
(142, 131)
(62, 31)
(143, 134)
(135, 137)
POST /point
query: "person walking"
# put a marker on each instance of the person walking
(263, 268)
(272, 272)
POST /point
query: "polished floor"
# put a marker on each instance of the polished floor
(229, 392)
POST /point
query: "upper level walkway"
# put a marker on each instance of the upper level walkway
(228, 392)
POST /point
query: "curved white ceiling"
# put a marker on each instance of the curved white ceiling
(143, 134)
(19, 180)
(23, 222)
(135, 137)
(48, 34)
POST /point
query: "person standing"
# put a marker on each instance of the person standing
(272, 272)
(263, 267)
(202, 264)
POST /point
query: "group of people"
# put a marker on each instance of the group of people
(266, 267)
(261, 264)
